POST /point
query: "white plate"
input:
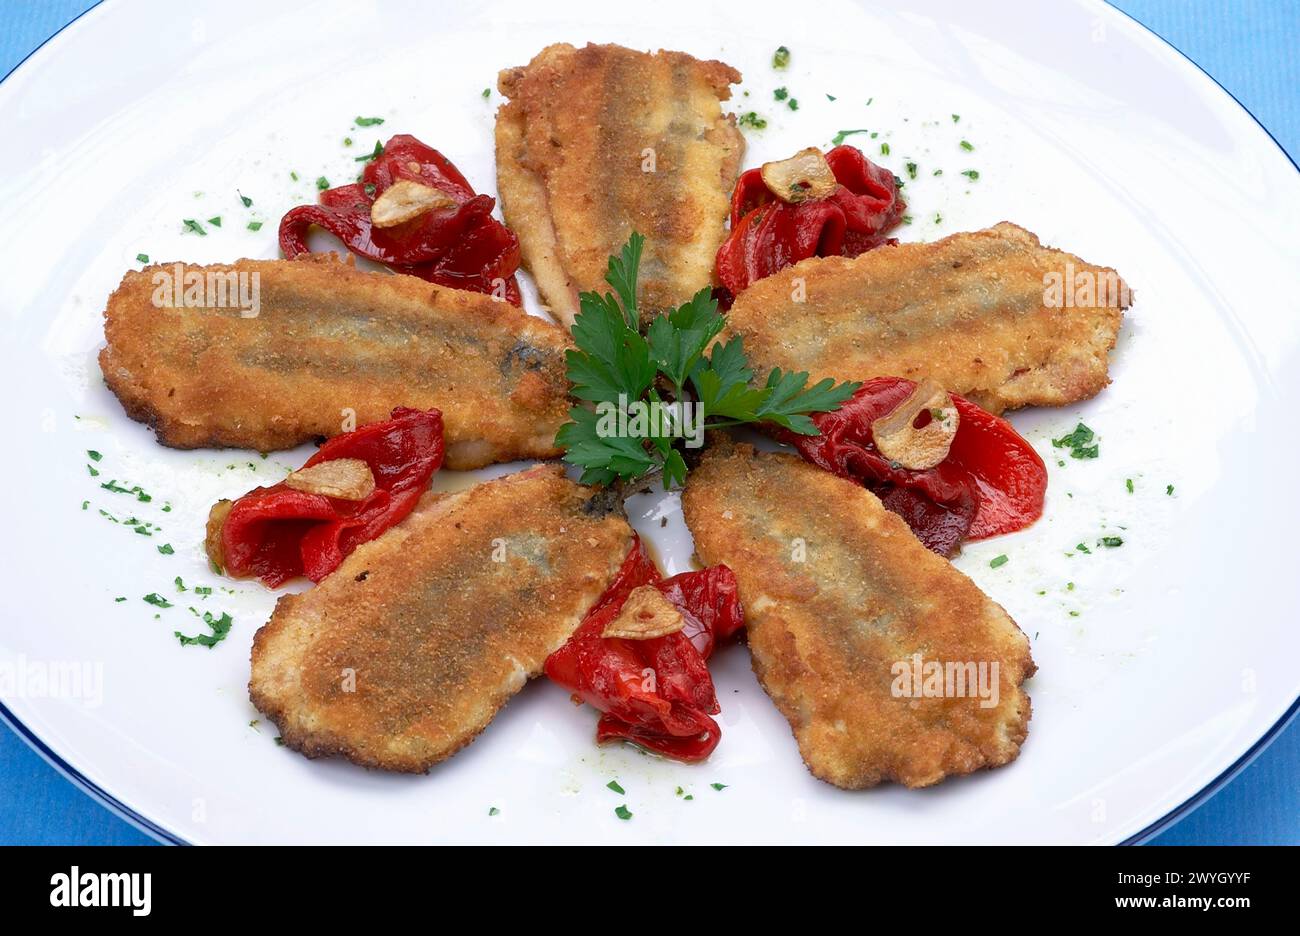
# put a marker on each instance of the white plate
(1087, 130)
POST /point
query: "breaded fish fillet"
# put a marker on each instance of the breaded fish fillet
(330, 347)
(840, 599)
(974, 311)
(598, 142)
(403, 654)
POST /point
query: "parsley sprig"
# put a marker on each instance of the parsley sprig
(670, 364)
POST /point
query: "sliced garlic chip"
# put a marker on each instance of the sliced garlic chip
(900, 440)
(805, 176)
(212, 542)
(344, 478)
(645, 614)
(404, 200)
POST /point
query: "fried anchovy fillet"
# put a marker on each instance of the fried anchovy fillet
(326, 347)
(840, 599)
(977, 312)
(598, 142)
(402, 655)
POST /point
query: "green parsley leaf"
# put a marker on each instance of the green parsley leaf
(1110, 541)
(493, 811)
(615, 368)
(966, 145)
(752, 120)
(94, 456)
(788, 403)
(623, 813)
(678, 339)
(368, 121)
(613, 785)
(166, 549)
(718, 786)
(143, 258)
(780, 94)
(998, 561)
(1083, 549)
(1128, 483)
(622, 274)
(781, 57)
(194, 226)
(215, 222)
(248, 202)
(157, 600)
(972, 174)
(255, 225)
(322, 183)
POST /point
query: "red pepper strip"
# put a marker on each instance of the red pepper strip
(462, 246)
(992, 481)
(277, 533)
(768, 234)
(658, 692)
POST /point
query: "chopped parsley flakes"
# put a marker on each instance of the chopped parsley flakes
(373, 154)
(752, 120)
(623, 812)
(157, 600)
(781, 57)
(998, 561)
(368, 121)
(220, 628)
(1080, 442)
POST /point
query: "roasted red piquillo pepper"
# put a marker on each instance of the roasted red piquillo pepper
(448, 236)
(991, 482)
(769, 233)
(277, 533)
(655, 692)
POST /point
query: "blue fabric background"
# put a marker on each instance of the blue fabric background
(1249, 46)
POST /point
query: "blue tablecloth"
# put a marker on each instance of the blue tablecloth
(1249, 46)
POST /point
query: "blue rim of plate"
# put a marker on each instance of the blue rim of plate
(1171, 818)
